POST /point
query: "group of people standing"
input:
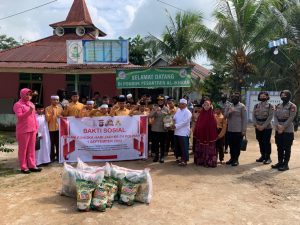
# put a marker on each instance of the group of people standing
(211, 125)
(213, 130)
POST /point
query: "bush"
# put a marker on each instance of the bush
(6, 140)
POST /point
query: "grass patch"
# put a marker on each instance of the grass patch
(4, 172)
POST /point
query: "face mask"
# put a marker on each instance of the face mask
(235, 101)
(285, 99)
(263, 99)
(223, 100)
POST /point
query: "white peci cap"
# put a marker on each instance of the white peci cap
(90, 102)
(56, 97)
(183, 101)
(104, 106)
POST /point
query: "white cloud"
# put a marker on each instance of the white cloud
(125, 18)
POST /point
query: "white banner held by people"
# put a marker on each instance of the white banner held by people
(103, 138)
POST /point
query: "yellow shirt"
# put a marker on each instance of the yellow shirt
(137, 112)
(73, 109)
(97, 113)
(120, 112)
(221, 124)
(87, 112)
(51, 114)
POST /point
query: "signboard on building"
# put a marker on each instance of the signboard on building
(97, 51)
(154, 78)
(251, 100)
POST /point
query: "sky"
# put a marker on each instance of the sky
(116, 18)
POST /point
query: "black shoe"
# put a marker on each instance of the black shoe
(37, 169)
(229, 162)
(155, 159)
(226, 151)
(267, 161)
(261, 159)
(276, 166)
(283, 167)
(25, 171)
(236, 163)
(161, 160)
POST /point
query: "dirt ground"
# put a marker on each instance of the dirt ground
(251, 193)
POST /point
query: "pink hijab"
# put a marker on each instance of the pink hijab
(23, 94)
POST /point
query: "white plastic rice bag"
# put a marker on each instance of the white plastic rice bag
(70, 174)
(142, 177)
(83, 166)
(145, 190)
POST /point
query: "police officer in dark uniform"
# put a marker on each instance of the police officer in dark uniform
(284, 136)
(262, 116)
(236, 116)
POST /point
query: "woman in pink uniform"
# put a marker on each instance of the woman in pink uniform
(26, 129)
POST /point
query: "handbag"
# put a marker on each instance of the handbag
(37, 143)
(244, 143)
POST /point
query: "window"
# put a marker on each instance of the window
(82, 82)
(34, 82)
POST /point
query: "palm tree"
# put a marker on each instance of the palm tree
(284, 68)
(239, 38)
(180, 40)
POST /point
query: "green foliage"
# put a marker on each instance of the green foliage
(239, 38)
(215, 84)
(180, 40)
(282, 71)
(6, 140)
(7, 42)
(137, 51)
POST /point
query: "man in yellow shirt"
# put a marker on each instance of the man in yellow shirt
(52, 113)
(88, 110)
(140, 109)
(102, 111)
(121, 109)
(75, 107)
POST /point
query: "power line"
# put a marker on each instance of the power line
(176, 7)
(27, 10)
(173, 6)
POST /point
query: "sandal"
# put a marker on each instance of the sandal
(182, 164)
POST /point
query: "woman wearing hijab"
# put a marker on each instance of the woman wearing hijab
(26, 129)
(284, 136)
(205, 133)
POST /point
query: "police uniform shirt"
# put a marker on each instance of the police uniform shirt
(284, 115)
(236, 120)
(263, 114)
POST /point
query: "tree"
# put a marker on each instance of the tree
(180, 40)
(283, 69)
(137, 51)
(152, 49)
(239, 39)
(215, 83)
(7, 42)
